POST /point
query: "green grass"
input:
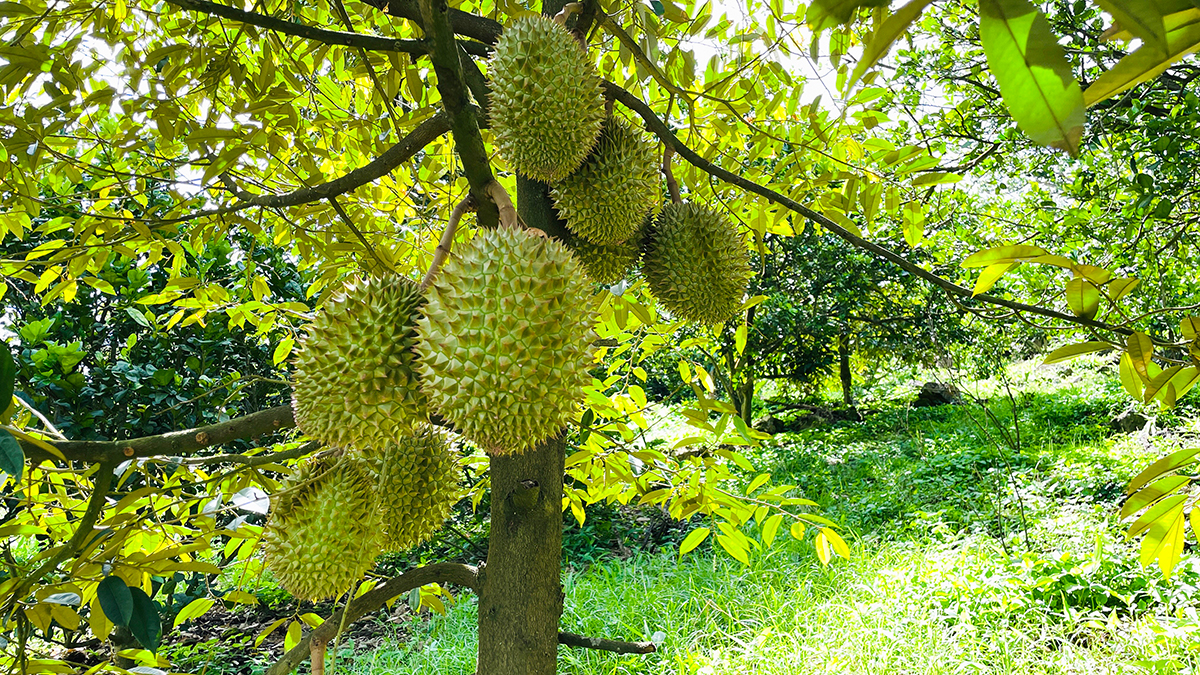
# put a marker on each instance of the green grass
(951, 573)
(969, 556)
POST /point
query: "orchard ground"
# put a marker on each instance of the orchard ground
(969, 556)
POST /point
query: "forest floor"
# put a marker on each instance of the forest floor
(970, 555)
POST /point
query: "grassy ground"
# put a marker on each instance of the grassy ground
(971, 555)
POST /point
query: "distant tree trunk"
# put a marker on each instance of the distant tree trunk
(743, 397)
(520, 593)
(844, 370)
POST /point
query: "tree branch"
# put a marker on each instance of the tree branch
(329, 37)
(451, 573)
(443, 248)
(660, 129)
(401, 152)
(171, 443)
(464, 125)
(604, 644)
(473, 26)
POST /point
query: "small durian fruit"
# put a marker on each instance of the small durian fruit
(606, 263)
(417, 483)
(323, 532)
(355, 384)
(505, 339)
(606, 199)
(547, 104)
(696, 264)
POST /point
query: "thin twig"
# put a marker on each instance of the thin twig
(357, 233)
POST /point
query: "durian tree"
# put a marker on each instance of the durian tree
(587, 139)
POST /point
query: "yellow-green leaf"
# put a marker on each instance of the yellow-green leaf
(1183, 38)
(193, 609)
(1071, 351)
(1156, 513)
(770, 527)
(1140, 348)
(292, 638)
(1003, 254)
(1141, 17)
(990, 275)
(1129, 377)
(694, 539)
(1083, 297)
(1152, 493)
(734, 548)
(1171, 462)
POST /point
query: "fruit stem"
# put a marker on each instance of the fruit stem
(567, 10)
(443, 248)
(672, 184)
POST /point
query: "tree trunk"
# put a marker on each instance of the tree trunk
(520, 594)
(844, 370)
(744, 398)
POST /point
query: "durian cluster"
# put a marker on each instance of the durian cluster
(498, 346)
(549, 123)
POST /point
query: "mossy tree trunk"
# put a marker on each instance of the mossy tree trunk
(520, 595)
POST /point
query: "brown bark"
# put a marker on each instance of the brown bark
(844, 370)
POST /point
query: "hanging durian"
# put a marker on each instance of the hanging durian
(607, 263)
(696, 264)
(323, 531)
(606, 199)
(505, 339)
(417, 483)
(355, 384)
(547, 105)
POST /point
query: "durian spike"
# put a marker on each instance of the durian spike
(443, 248)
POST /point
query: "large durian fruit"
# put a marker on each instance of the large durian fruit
(547, 105)
(606, 199)
(354, 384)
(323, 531)
(607, 263)
(696, 264)
(417, 483)
(505, 339)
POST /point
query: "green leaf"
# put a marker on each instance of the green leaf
(1183, 38)
(138, 317)
(836, 541)
(144, 622)
(694, 539)
(1171, 384)
(1071, 351)
(1164, 536)
(8, 376)
(1083, 297)
(1120, 287)
(1142, 17)
(1140, 348)
(881, 41)
(116, 600)
(1171, 462)
(739, 339)
(758, 482)
(12, 458)
(826, 13)
(1035, 78)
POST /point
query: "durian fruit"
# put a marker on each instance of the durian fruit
(607, 263)
(504, 340)
(696, 264)
(416, 480)
(323, 531)
(606, 199)
(354, 383)
(547, 105)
